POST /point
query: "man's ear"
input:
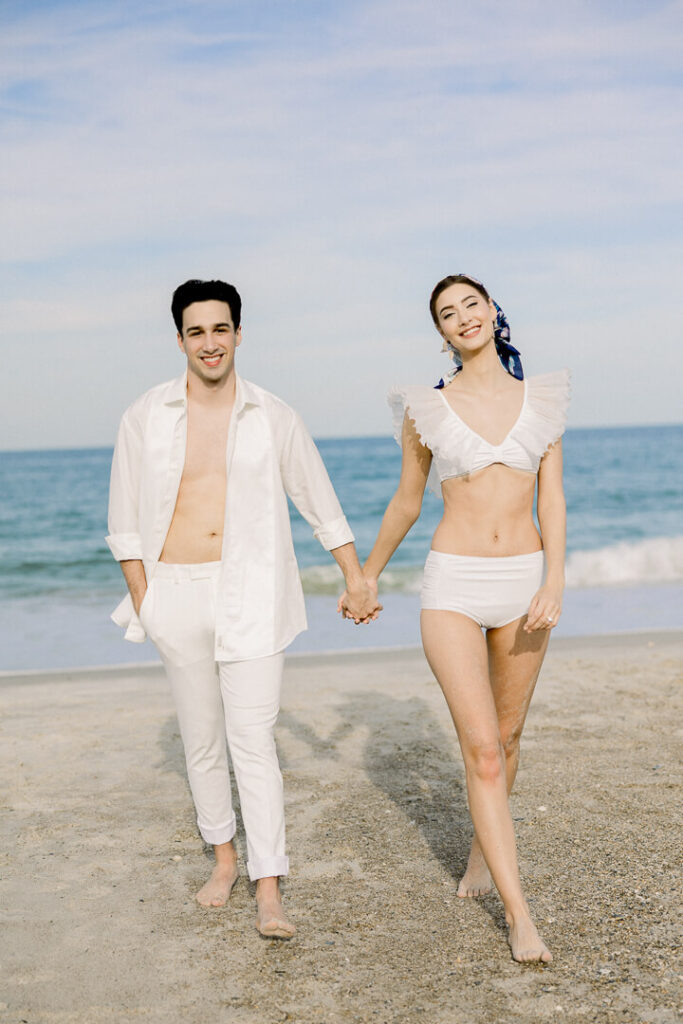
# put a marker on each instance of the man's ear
(181, 343)
(238, 336)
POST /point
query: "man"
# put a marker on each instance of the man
(198, 520)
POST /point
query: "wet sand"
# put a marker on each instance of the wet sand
(101, 857)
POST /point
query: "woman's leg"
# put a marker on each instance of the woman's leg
(458, 656)
(515, 660)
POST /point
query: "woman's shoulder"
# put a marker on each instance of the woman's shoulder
(415, 399)
(424, 407)
(544, 415)
(546, 390)
(555, 381)
(420, 392)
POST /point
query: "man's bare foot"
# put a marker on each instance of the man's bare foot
(477, 879)
(271, 920)
(216, 892)
(526, 944)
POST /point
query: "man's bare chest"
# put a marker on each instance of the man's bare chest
(205, 452)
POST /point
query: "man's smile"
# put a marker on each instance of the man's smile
(212, 360)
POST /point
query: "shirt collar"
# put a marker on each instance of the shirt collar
(177, 390)
(245, 392)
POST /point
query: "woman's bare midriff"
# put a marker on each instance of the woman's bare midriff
(488, 514)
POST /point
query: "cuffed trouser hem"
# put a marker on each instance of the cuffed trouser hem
(216, 836)
(268, 867)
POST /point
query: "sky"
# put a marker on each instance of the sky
(333, 161)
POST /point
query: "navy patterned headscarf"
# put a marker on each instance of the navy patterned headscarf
(507, 353)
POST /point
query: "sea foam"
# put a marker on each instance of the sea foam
(327, 579)
(656, 560)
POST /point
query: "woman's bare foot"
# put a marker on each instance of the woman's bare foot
(271, 920)
(526, 944)
(477, 879)
(216, 892)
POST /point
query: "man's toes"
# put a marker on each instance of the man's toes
(276, 930)
(532, 956)
(275, 926)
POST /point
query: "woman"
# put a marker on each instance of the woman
(488, 436)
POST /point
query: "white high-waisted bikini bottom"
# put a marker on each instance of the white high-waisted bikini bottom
(492, 591)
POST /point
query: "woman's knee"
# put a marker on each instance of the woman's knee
(486, 761)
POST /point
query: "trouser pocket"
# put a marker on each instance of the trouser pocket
(145, 610)
(182, 619)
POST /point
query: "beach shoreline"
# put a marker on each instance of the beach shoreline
(47, 634)
(594, 642)
(102, 856)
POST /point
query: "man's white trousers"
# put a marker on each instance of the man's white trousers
(237, 700)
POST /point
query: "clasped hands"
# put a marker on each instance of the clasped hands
(359, 601)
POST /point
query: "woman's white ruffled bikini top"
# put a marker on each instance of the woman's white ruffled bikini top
(458, 450)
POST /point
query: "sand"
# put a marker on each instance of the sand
(102, 858)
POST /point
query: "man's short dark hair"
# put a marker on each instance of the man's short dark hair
(205, 291)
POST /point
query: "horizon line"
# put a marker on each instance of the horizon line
(338, 437)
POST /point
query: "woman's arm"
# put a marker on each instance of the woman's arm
(552, 519)
(402, 511)
(404, 508)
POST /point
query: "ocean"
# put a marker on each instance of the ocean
(59, 583)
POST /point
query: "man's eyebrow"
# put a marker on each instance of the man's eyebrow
(198, 327)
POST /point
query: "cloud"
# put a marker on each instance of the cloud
(335, 162)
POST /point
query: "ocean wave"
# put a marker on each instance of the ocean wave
(656, 560)
(327, 579)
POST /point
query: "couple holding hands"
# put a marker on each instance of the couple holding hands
(199, 522)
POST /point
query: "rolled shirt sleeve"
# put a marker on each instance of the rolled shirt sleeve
(124, 538)
(308, 484)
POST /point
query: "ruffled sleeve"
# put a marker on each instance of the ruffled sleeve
(545, 413)
(452, 445)
(425, 410)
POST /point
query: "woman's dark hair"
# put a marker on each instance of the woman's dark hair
(446, 283)
(205, 291)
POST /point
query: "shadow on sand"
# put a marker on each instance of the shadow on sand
(415, 762)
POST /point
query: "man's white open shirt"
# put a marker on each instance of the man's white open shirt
(269, 454)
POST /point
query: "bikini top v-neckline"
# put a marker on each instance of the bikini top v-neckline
(475, 433)
(458, 450)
